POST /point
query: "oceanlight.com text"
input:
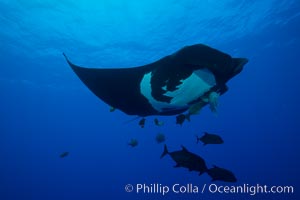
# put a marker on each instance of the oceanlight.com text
(250, 189)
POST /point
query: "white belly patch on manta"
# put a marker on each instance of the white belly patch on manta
(190, 89)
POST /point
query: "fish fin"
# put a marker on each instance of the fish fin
(165, 152)
(183, 148)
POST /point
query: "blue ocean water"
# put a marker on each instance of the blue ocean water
(46, 110)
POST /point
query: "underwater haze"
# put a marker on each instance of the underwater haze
(59, 141)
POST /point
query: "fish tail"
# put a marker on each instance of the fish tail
(205, 170)
(165, 151)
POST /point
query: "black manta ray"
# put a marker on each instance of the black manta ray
(193, 75)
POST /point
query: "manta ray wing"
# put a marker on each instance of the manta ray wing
(117, 87)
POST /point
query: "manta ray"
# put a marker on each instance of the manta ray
(188, 79)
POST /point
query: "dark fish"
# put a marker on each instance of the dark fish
(64, 154)
(209, 138)
(157, 122)
(221, 174)
(160, 138)
(168, 86)
(142, 123)
(186, 159)
(180, 119)
(133, 142)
